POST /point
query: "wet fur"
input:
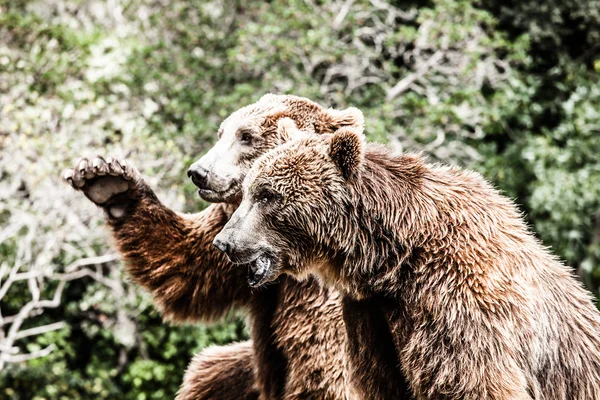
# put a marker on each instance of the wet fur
(296, 328)
(477, 307)
(220, 373)
(297, 331)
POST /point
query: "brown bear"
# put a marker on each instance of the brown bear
(477, 308)
(297, 329)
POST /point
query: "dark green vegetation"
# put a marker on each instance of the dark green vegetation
(511, 89)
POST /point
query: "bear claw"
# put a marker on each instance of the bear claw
(101, 178)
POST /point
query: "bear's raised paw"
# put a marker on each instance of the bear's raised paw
(102, 178)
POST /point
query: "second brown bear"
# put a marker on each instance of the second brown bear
(476, 307)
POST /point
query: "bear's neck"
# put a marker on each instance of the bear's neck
(405, 216)
(373, 236)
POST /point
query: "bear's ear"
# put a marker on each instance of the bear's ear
(346, 149)
(287, 130)
(270, 97)
(351, 116)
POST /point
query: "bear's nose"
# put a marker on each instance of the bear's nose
(198, 175)
(222, 245)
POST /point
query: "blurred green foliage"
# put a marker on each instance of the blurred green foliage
(512, 90)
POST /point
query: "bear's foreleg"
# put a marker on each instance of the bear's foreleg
(220, 373)
(464, 360)
(373, 361)
(169, 254)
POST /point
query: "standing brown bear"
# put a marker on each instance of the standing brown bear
(298, 338)
(476, 306)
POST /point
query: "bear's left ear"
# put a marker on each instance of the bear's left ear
(351, 116)
(269, 97)
(346, 149)
(287, 130)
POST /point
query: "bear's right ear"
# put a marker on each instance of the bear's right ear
(346, 149)
(351, 116)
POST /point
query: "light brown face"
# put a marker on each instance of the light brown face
(242, 139)
(292, 196)
(252, 131)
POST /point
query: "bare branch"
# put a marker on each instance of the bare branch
(83, 262)
(406, 82)
(26, 357)
(342, 14)
(40, 330)
(35, 280)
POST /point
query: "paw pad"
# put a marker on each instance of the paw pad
(101, 178)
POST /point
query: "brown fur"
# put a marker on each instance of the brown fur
(223, 373)
(297, 330)
(194, 282)
(477, 308)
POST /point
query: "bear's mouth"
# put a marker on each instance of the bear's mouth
(228, 195)
(260, 270)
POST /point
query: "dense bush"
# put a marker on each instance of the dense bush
(510, 89)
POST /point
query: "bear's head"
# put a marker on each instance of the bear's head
(295, 207)
(252, 131)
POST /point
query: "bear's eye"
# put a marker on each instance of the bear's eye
(245, 137)
(266, 196)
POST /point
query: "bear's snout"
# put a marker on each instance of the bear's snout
(225, 241)
(222, 245)
(199, 176)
